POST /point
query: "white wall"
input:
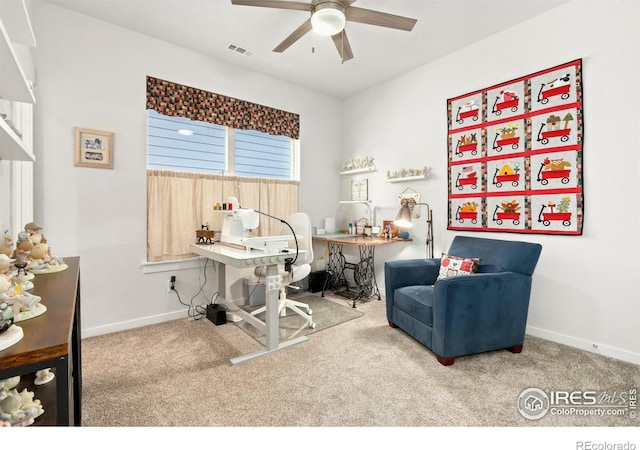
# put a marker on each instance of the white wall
(582, 295)
(92, 75)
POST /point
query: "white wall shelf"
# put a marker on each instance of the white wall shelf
(11, 146)
(16, 82)
(13, 82)
(353, 202)
(354, 171)
(15, 17)
(401, 179)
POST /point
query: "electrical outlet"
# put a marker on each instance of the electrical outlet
(171, 284)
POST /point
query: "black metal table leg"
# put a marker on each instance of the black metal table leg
(62, 391)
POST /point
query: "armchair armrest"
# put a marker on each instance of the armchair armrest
(480, 312)
(408, 272)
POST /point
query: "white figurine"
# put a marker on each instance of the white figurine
(9, 383)
(5, 264)
(19, 300)
(43, 376)
(19, 408)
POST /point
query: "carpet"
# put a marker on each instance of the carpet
(177, 374)
(326, 314)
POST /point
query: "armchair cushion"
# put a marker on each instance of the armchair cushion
(463, 315)
(417, 301)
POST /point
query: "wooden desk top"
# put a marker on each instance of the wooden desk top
(349, 239)
(48, 335)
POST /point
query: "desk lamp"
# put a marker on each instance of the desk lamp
(403, 220)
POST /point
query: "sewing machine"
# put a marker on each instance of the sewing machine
(237, 228)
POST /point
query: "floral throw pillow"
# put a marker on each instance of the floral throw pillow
(451, 266)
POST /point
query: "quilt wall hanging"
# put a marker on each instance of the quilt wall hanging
(515, 155)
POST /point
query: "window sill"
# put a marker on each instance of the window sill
(170, 266)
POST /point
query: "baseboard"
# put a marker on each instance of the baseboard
(130, 324)
(142, 321)
(605, 350)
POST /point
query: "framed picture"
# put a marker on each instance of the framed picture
(392, 227)
(360, 190)
(94, 148)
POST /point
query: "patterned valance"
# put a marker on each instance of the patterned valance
(173, 99)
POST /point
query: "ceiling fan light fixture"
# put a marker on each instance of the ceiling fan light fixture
(328, 18)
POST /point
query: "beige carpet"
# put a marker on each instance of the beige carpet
(361, 373)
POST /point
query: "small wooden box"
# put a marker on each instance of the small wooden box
(204, 236)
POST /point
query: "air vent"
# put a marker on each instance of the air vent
(240, 50)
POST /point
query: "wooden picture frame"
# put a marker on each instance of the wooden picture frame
(360, 190)
(390, 225)
(94, 148)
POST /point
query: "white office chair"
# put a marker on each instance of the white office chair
(301, 224)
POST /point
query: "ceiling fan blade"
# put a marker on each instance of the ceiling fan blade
(370, 17)
(293, 37)
(343, 45)
(281, 4)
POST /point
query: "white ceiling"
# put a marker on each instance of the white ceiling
(209, 26)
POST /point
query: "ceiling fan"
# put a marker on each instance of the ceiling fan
(328, 18)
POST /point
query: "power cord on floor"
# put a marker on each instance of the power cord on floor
(193, 312)
(197, 312)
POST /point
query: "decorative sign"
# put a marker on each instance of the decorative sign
(411, 198)
(360, 190)
(515, 155)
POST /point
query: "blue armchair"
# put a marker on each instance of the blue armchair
(464, 314)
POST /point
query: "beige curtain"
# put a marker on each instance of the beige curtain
(179, 203)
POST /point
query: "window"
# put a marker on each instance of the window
(177, 143)
(205, 147)
(181, 144)
(262, 155)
